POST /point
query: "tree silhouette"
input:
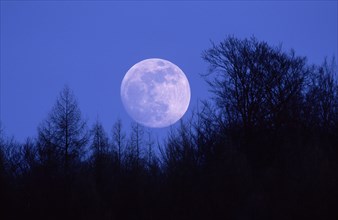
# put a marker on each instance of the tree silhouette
(136, 142)
(64, 129)
(62, 139)
(255, 84)
(119, 139)
(265, 147)
(101, 150)
(322, 97)
(99, 143)
(259, 93)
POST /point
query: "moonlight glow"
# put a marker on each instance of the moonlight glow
(155, 93)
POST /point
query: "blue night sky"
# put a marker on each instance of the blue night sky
(91, 45)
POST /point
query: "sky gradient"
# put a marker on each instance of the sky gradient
(91, 45)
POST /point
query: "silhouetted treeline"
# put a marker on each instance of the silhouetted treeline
(265, 147)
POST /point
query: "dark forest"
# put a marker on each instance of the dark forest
(264, 147)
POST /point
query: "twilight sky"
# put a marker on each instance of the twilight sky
(91, 45)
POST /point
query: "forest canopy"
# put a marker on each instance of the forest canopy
(265, 146)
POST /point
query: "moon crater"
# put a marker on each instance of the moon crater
(155, 92)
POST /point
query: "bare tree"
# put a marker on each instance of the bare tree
(149, 144)
(254, 83)
(101, 155)
(64, 132)
(99, 144)
(136, 141)
(119, 139)
(181, 150)
(13, 157)
(322, 97)
(136, 138)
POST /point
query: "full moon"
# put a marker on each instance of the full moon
(155, 93)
